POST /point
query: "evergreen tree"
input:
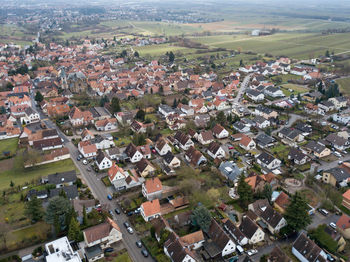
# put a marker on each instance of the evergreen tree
(140, 115)
(74, 230)
(327, 53)
(297, 215)
(34, 209)
(267, 192)
(175, 103)
(12, 184)
(241, 63)
(124, 54)
(161, 89)
(58, 208)
(85, 220)
(115, 104)
(62, 193)
(39, 97)
(201, 217)
(221, 118)
(57, 225)
(136, 54)
(244, 191)
(171, 57)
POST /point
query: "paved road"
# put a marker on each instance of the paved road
(242, 88)
(292, 119)
(100, 192)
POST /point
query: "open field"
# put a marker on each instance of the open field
(296, 45)
(344, 85)
(15, 34)
(19, 175)
(298, 89)
(157, 50)
(8, 145)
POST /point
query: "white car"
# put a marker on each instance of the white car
(85, 162)
(332, 225)
(252, 252)
(130, 230)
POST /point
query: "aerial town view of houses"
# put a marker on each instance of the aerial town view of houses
(154, 133)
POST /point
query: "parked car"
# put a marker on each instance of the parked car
(330, 258)
(144, 252)
(137, 211)
(88, 169)
(324, 212)
(109, 249)
(109, 197)
(130, 230)
(126, 224)
(78, 158)
(130, 213)
(139, 244)
(252, 252)
(333, 225)
(85, 162)
(117, 211)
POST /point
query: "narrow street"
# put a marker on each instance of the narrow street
(242, 88)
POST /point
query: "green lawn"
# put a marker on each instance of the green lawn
(27, 236)
(344, 85)
(122, 258)
(8, 145)
(158, 50)
(20, 175)
(106, 181)
(298, 89)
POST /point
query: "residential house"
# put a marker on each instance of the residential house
(103, 161)
(282, 202)
(318, 149)
(71, 192)
(251, 230)
(264, 141)
(150, 210)
(106, 124)
(273, 92)
(80, 118)
(205, 137)
(337, 176)
(346, 199)
(162, 147)
(277, 255)
(87, 150)
(152, 188)
(183, 140)
(220, 239)
(339, 102)
(30, 116)
(215, 150)
(102, 235)
(133, 154)
(297, 156)
(171, 161)
(274, 220)
(343, 225)
(177, 250)
(255, 95)
(241, 127)
(230, 170)
(195, 157)
(247, 143)
(220, 132)
(290, 136)
(80, 204)
(62, 179)
(166, 110)
(261, 122)
(144, 167)
(125, 118)
(87, 135)
(326, 106)
(265, 112)
(58, 249)
(268, 161)
(307, 251)
(235, 232)
(338, 142)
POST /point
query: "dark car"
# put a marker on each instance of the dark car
(110, 249)
(117, 211)
(139, 244)
(130, 213)
(126, 224)
(144, 252)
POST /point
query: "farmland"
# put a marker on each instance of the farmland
(344, 85)
(296, 45)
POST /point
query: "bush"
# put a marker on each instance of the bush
(323, 239)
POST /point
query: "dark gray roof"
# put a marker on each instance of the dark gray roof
(296, 154)
(64, 177)
(168, 157)
(263, 139)
(248, 227)
(307, 248)
(93, 251)
(265, 158)
(340, 174)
